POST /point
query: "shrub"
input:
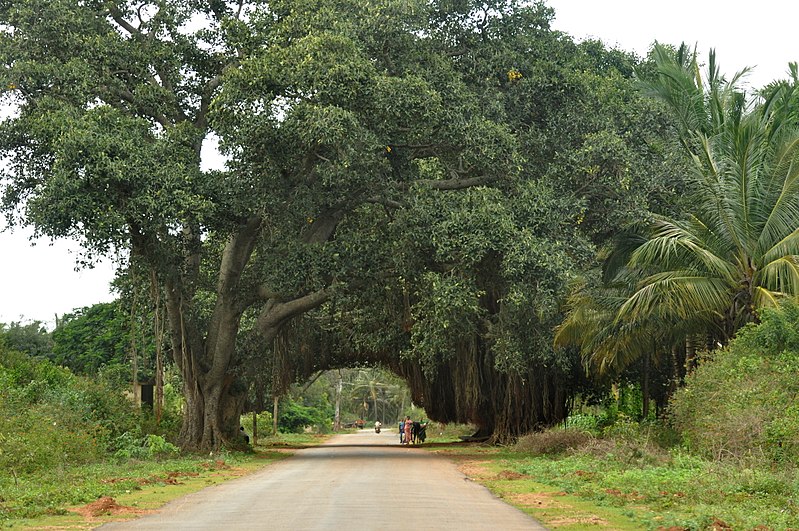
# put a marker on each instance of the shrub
(295, 417)
(49, 418)
(739, 403)
(132, 446)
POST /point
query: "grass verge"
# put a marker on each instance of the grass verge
(83, 497)
(605, 485)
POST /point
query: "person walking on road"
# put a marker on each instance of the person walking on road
(408, 426)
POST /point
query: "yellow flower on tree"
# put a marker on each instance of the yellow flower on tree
(514, 75)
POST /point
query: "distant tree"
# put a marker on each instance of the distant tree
(31, 338)
(93, 337)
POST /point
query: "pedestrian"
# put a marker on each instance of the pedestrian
(402, 430)
(408, 427)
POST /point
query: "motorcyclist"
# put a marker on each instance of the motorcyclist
(378, 425)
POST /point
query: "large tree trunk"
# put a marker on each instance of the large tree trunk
(206, 356)
(212, 412)
(214, 399)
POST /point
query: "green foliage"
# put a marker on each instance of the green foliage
(295, 417)
(131, 446)
(93, 338)
(31, 338)
(658, 488)
(52, 418)
(264, 424)
(52, 491)
(740, 401)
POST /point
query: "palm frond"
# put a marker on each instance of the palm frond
(674, 243)
(787, 246)
(781, 275)
(764, 298)
(679, 295)
(783, 214)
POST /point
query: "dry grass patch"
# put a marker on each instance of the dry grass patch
(553, 441)
(538, 500)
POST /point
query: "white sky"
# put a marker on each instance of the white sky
(40, 281)
(744, 33)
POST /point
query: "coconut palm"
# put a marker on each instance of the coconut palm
(737, 249)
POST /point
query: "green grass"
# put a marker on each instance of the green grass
(683, 491)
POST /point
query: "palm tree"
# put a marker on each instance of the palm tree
(737, 247)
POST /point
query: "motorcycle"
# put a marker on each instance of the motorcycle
(377, 427)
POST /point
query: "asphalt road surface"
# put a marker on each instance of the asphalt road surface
(355, 481)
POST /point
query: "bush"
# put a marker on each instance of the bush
(554, 441)
(42, 438)
(49, 418)
(295, 417)
(132, 446)
(739, 403)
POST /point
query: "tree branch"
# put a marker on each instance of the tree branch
(456, 183)
(276, 313)
(116, 14)
(324, 226)
(236, 255)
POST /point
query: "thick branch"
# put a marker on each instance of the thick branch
(324, 226)
(116, 14)
(276, 313)
(236, 255)
(223, 327)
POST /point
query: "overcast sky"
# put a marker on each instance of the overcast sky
(40, 281)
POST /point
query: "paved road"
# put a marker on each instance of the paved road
(355, 481)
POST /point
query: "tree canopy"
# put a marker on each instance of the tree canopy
(409, 183)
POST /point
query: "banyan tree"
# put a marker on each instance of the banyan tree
(418, 178)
